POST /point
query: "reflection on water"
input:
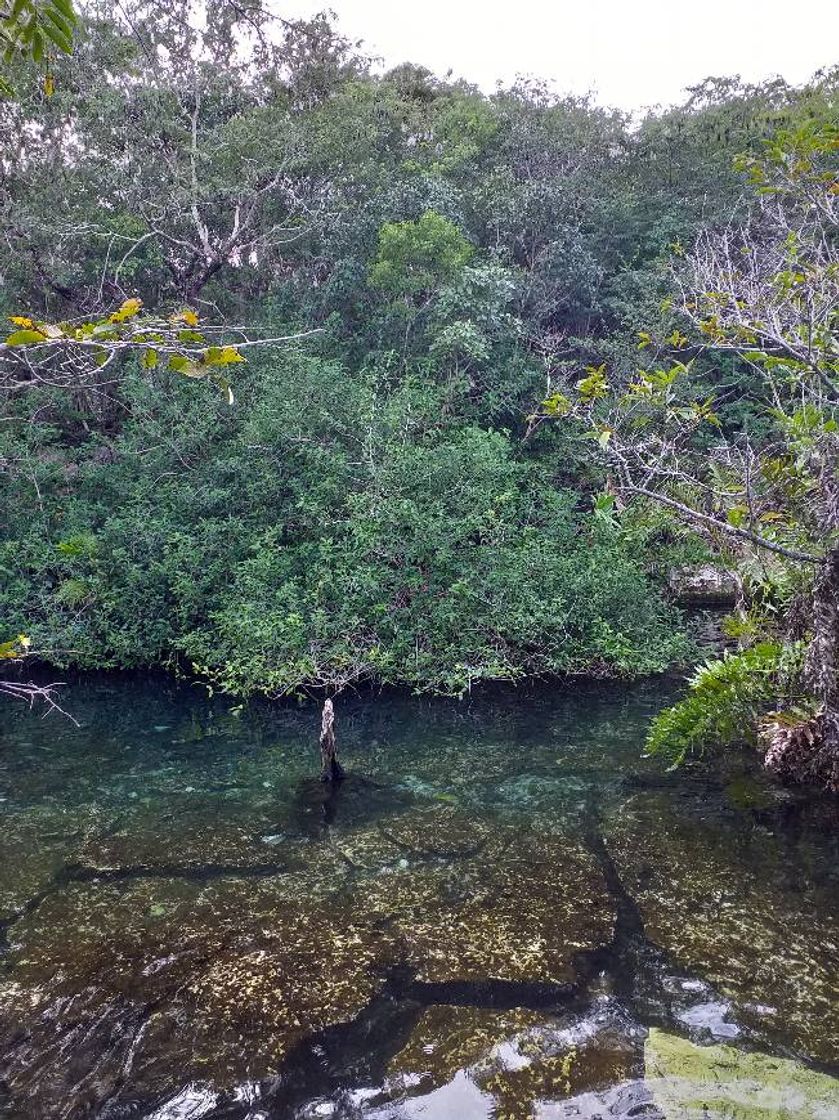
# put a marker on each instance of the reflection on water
(503, 912)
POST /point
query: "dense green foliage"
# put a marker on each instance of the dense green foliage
(308, 537)
(385, 499)
(765, 294)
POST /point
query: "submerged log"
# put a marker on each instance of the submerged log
(331, 769)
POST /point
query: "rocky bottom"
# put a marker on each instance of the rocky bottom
(432, 962)
(567, 940)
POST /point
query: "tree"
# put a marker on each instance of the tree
(82, 353)
(416, 258)
(764, 299)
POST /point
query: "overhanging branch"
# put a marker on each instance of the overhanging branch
(725, 527)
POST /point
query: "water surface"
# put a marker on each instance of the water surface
(503, 912)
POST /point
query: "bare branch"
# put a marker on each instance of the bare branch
(35, 695)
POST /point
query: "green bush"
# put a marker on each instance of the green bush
(331, 527)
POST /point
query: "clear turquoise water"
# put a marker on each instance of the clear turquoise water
(503, 912)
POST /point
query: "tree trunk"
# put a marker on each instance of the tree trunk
(331, 769)
(808, 750)
(822, 665)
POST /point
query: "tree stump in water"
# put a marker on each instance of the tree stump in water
(331, 769)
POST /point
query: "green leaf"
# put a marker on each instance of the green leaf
(66, 9)
(59, 20)
(181, 364)
(59, 38)
(221, 356)
(25, 338)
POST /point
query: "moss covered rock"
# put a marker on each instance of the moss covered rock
(690, 1082)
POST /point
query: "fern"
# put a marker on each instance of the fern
(724, 701)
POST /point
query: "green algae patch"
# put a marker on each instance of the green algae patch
(522, 915)
(690, 1082)
(723, 910)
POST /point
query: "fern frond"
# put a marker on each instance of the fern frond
(725, 699)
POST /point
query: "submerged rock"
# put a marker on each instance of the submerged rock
(35, 843)
(217, 978)
(438, 832)
(169, 840)
(719, 903)
(211, 984)
(513, 1061)
(84, 969)
(311, 968)
(521, 912)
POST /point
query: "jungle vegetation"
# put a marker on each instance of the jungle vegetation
(318, 374)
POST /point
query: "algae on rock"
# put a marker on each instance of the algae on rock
(690, 1082)
(518, 914)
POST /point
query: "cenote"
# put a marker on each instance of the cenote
(504, 911)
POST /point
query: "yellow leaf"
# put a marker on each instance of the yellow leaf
(129, 308)
(24, 641)
(21, 321)
(49, 85)
(557, 405)
(189, 317)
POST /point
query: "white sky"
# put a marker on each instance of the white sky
(630, 55)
